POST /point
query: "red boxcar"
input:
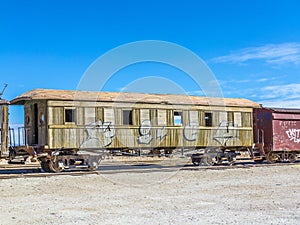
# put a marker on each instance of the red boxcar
(277, 133)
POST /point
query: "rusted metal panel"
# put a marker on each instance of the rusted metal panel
(286, 135)
(286, 116)
(262, 128)
(277, 129)
(285, 110)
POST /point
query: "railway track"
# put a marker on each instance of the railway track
(10, 171)
(151, 167)
(26, 175)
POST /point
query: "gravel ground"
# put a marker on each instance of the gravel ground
(256, 195)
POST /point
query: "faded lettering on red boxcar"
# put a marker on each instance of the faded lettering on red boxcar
(286, 135)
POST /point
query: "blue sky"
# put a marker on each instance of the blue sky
(252, 47)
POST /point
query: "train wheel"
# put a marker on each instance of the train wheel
(168, 152)
(196, 161)
(93, 166)
(11, 155)
(231, 159)
(55, 166)
(258, 160)
(272, 157)
(206, 160)
(292, 157)
(45, 166)
(231, 162)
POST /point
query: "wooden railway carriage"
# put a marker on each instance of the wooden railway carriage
(133, 122)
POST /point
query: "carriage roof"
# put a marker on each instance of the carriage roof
(172, 99)
(3, 102)
(284, 110)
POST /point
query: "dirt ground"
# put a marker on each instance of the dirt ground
(251, 195)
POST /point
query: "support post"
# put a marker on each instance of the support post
(4, 128)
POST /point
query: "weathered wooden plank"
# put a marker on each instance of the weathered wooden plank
(89, 116)
(4, 130)
(170, 117)
(56, 115)
(109, 116)
(144, 115)
(161, 117)
(215, 118)
(80, 116)
(136, 117)
(194, 117)
(247, 119)
(99, 114)
(237, 118)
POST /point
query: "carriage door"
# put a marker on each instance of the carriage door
(36, 124)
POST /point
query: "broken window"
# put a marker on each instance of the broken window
(70, 115)
(177, 118)
(127, 117)
(208, 119)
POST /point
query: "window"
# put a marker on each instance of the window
(70, 115)
(208, 119)
(177, 118)
(127, 117)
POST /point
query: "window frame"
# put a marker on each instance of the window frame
(67, 118)
(180, 113)
(208, 119)
(129, 116)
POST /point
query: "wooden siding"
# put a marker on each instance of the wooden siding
(101, 127)
(4, 130)
(247, 119)
(162, 118)
(36, 116)
(222, 117)
(89, 115)
(193, 117)
(109, 115)
(55, 115)
(144, 115)
(128, 138)
(237, 118)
